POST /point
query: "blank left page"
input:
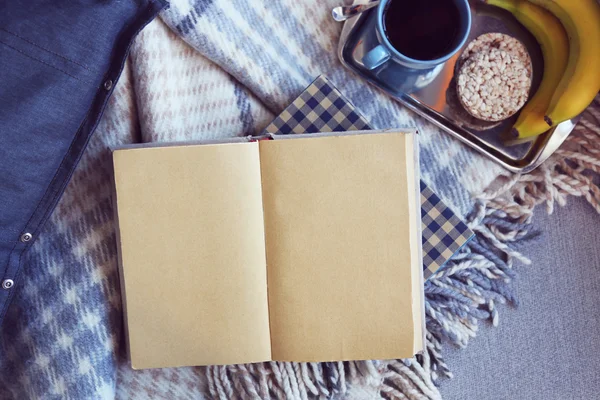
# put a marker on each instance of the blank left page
(193, 254)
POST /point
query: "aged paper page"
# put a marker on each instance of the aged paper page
(193, 254)
(339, 256)
(414, 206)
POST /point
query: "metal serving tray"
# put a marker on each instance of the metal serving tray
(431, 101)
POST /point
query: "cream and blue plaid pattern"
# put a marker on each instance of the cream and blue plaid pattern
(323, 108)
(443, 232)
(320, 108)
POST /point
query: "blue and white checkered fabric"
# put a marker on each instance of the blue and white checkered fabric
(323, 108)
(320, 108)
(443, 232)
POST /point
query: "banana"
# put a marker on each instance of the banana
(552, 38)
(581, 80)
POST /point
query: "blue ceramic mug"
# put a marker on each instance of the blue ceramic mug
(396, 70)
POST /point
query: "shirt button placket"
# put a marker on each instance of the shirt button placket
(9, 283)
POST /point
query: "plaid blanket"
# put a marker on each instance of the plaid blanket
(221, 68)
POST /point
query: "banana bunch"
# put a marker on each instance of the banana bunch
(568, 32)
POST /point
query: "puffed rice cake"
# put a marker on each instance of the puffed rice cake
(492, 85)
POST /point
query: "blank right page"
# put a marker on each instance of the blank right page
(339, 232)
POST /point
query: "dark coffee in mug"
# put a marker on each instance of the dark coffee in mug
(422, 29)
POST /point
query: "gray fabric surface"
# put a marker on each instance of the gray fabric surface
(549, 347)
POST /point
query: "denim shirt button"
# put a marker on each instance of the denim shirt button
(7, 284)
(26, 237)
(108, 84)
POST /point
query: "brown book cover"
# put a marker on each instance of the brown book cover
(300, 249)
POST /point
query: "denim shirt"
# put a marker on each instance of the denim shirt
(59, 62)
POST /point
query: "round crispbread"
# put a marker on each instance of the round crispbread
(492, 85)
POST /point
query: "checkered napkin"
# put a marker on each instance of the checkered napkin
(320, 108)
(323, 108)
(443, 232)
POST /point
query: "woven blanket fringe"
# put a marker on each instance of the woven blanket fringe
(463, 293)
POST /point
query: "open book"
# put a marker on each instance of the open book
(302, 248)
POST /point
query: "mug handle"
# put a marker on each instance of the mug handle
(376, 57)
